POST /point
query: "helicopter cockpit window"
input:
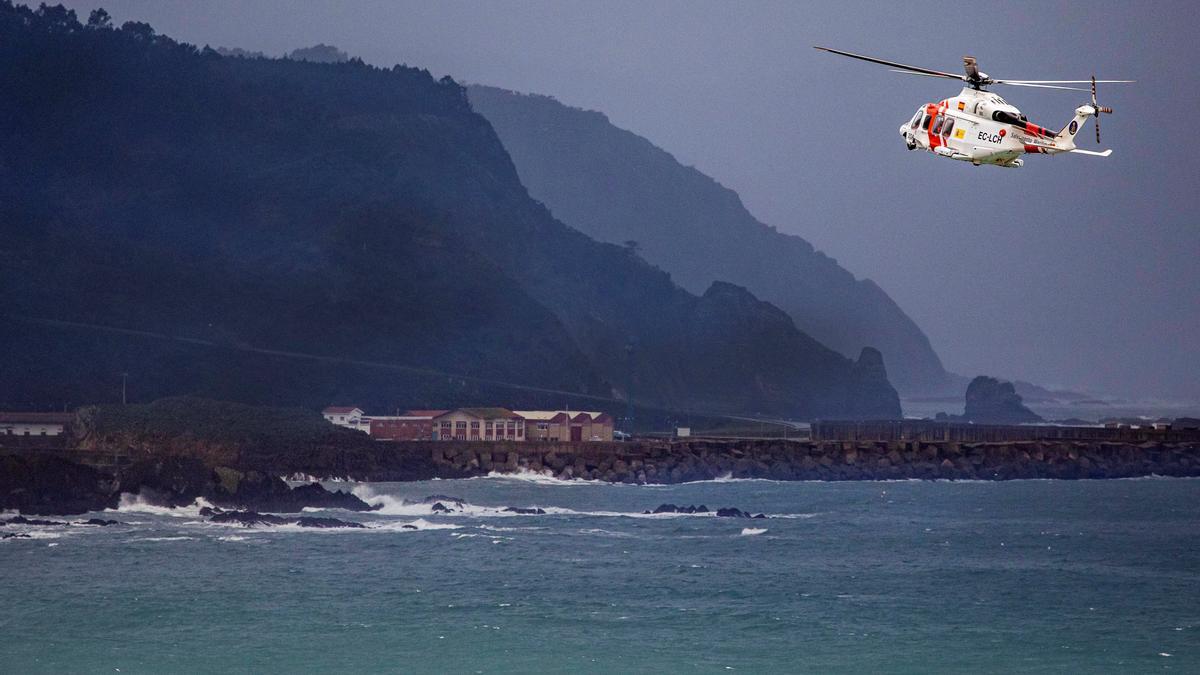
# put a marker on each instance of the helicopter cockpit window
(925, 123)
(915, 120)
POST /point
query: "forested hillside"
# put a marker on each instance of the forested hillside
(288, 232)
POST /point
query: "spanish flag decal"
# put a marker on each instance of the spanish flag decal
(962, 105)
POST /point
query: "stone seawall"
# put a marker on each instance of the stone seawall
(662, 462)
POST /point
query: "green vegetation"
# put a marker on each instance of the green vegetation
(262, 428)
(283, 232)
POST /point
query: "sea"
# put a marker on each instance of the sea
(1032, 576)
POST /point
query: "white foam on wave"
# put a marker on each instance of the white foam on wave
(728, 478)
(156, 539)
(414, 526)
(42, 534)
(135, 503)
(752, 531)
(396, 506)
(544, 477)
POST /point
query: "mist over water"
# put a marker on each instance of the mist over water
(1031, 576)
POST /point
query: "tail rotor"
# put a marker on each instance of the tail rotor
(1099, 109)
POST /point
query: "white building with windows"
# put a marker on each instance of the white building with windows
(34, 423)
(350, 417)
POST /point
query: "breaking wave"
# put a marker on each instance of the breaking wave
(136, 503)
(542, 478)
(751, 531)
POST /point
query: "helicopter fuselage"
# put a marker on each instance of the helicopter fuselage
(978, 126)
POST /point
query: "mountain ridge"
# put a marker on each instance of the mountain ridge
(337, 209)
(619, 187)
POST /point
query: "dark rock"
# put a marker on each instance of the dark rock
(248, 518)
(309, 521)
(16, 535)
(671, 508)
(732, 512)
(99, 522)
(254, 518)
(52, 486)
(433, 499)
(871, 396)
(22, 520)
(990, 401)
(524, 511)
(439, 507)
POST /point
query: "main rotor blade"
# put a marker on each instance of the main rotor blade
(1040, 86)
(1067, 81)
(914, 69)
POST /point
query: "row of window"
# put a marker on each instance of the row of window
(942, 125)
(513, 430)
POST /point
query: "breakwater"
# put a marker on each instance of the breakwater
(655, 461)
(682, 461)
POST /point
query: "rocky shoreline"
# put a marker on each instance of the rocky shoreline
(54, 486)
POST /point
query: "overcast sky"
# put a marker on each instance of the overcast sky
(1073, 271)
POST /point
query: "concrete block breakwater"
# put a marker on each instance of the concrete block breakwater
(819, 460)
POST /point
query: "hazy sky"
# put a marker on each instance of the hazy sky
(1072, 271)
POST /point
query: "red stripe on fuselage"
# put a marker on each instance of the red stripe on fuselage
(932, 109)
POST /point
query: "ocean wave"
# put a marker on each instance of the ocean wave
(156, 539)
(544, 477)
(390, 505)
(416, 525)
(135, 503)
(751, 531)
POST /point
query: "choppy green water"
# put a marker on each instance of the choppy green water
(1029, 576)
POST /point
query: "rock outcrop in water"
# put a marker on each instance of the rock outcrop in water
(723, 512)
(990, 401)
(255, 519)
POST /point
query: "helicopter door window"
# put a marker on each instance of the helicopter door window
(948, 127)
(925, 123)
(937, 126)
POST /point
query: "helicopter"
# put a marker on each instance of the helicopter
(979, 127)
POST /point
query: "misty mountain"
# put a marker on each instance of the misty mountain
(618, 187)
(290, 232)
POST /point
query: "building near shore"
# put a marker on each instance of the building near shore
(351, 417)
(479, 424)
(34, 423)
(400, 427)
(567, 426)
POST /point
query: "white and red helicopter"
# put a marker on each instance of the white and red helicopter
(979, 127)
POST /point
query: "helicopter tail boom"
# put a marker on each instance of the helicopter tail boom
(1067, 135)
